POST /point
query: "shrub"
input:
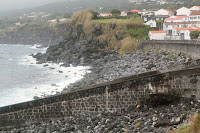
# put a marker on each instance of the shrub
(194, 34)
(82, 17)
(115, 11)
(128, 45)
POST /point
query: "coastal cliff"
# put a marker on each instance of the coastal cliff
(35, 33)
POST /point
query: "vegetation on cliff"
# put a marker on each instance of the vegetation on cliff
(121, 35)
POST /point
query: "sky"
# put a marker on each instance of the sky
(6, 5)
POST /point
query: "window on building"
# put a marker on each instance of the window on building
(178, 32)
(170, 32)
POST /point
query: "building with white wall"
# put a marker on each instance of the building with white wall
(157, 35)
(183, 11)
(105, 14)
(195, 8)
(164, 12)
(195, 15)
(178, 19)
(151, 23)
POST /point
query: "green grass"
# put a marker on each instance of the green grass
(138, 32)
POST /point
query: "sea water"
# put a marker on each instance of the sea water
(21, 78)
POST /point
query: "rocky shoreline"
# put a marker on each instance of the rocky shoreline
(143, 120)
(107, 65)
(113, 66)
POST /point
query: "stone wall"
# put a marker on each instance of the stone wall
(190, 48)
(117, 95)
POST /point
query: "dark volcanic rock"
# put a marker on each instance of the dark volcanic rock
(157, 120)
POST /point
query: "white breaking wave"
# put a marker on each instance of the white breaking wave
(50, 80)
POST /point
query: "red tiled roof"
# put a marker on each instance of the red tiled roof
(157, 31)
(175, 23)
(176, 18)
(195, 12)
(184, 28)
(168, 10)
(105, 14)
(189, 28)
(135, 10)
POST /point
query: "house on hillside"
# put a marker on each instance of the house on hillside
(183, 11)
(174, 22)
(195, 8)
(104, 14)
(195, 16)
(169, 26)
(164, 12)
(184, 33)
(134, 12)
(18, 24)
(52, 21)
(152, 24)
(157, 35)
(147, 17)
(181, 33)
(124, 13)
(178, 19)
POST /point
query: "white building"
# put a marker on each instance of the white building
(195, 8)
(195, 16)
(151, 23)
(157, 35)
(183, 11)
(18, 24)
(124, 13)
(105, 14)
(184, 33)
(52, 21)
(164, 12)
(178, 19)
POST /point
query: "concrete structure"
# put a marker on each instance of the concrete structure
(164, 12)
(157, 35)
(189, 47)
(183, 11)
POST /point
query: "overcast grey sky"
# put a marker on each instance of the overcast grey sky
(21, 4)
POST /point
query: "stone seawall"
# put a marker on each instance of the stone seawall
(190, 48)
(117, 95)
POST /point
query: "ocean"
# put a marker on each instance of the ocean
(21, 78)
